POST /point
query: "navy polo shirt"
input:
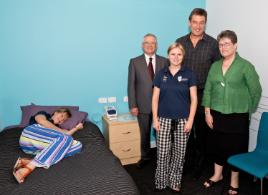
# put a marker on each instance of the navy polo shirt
(174, 99)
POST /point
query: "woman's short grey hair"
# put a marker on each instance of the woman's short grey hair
(228, 34)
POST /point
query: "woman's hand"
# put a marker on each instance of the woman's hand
(155, 100)
(156, 125)
(209, 120)
(188, 126)
(79, 126)
(76, 128)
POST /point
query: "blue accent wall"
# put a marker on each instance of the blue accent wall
(71, 52)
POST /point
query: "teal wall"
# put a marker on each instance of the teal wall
(71, 52)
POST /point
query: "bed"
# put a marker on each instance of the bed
(93, 171)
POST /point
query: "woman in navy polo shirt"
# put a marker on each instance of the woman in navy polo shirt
(173, 105)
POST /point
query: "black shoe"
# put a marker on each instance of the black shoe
(233, 191)
(209, 183)
(142, 162)
(159, 190)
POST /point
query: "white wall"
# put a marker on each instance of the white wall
(249, 20)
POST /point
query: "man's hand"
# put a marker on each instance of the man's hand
(134, 111)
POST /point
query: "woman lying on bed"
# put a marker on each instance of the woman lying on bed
(44, 139)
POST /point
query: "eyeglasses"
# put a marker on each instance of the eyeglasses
(225, 45)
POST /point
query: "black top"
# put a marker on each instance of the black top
(47, 115)
(200, 57)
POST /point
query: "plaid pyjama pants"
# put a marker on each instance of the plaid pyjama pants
(171, 146)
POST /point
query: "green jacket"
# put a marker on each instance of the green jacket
(238, 91)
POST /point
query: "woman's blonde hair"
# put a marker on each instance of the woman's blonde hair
(176, 45)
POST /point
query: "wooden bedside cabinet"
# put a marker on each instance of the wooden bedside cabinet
(123, 138)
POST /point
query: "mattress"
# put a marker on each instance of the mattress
(95, 170)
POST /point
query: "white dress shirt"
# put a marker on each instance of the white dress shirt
(147, 58)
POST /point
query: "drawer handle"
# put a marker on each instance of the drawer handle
(127, 150)
(126, 133)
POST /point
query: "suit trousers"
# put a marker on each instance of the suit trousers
(145, 124)
(197, 143)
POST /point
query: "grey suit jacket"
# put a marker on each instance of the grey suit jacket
(140, 85)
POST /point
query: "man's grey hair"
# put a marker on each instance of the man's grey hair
(150, 35)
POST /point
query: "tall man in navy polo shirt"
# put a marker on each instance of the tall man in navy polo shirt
(140, 86)
(201, 51)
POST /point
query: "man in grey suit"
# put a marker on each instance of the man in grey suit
(140, 87)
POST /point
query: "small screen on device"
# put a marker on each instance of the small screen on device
(111, 112)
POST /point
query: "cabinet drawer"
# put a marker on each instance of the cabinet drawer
(125, 132)
(126, 149)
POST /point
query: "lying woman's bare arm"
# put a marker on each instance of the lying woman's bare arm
(42, 120)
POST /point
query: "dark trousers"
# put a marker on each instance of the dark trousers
(196, 146)
(145, 124)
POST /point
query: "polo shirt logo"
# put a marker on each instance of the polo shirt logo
(165, 78)
(182, 79)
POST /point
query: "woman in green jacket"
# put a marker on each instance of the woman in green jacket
(231, 94)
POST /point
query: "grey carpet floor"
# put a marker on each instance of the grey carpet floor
(144, 179)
